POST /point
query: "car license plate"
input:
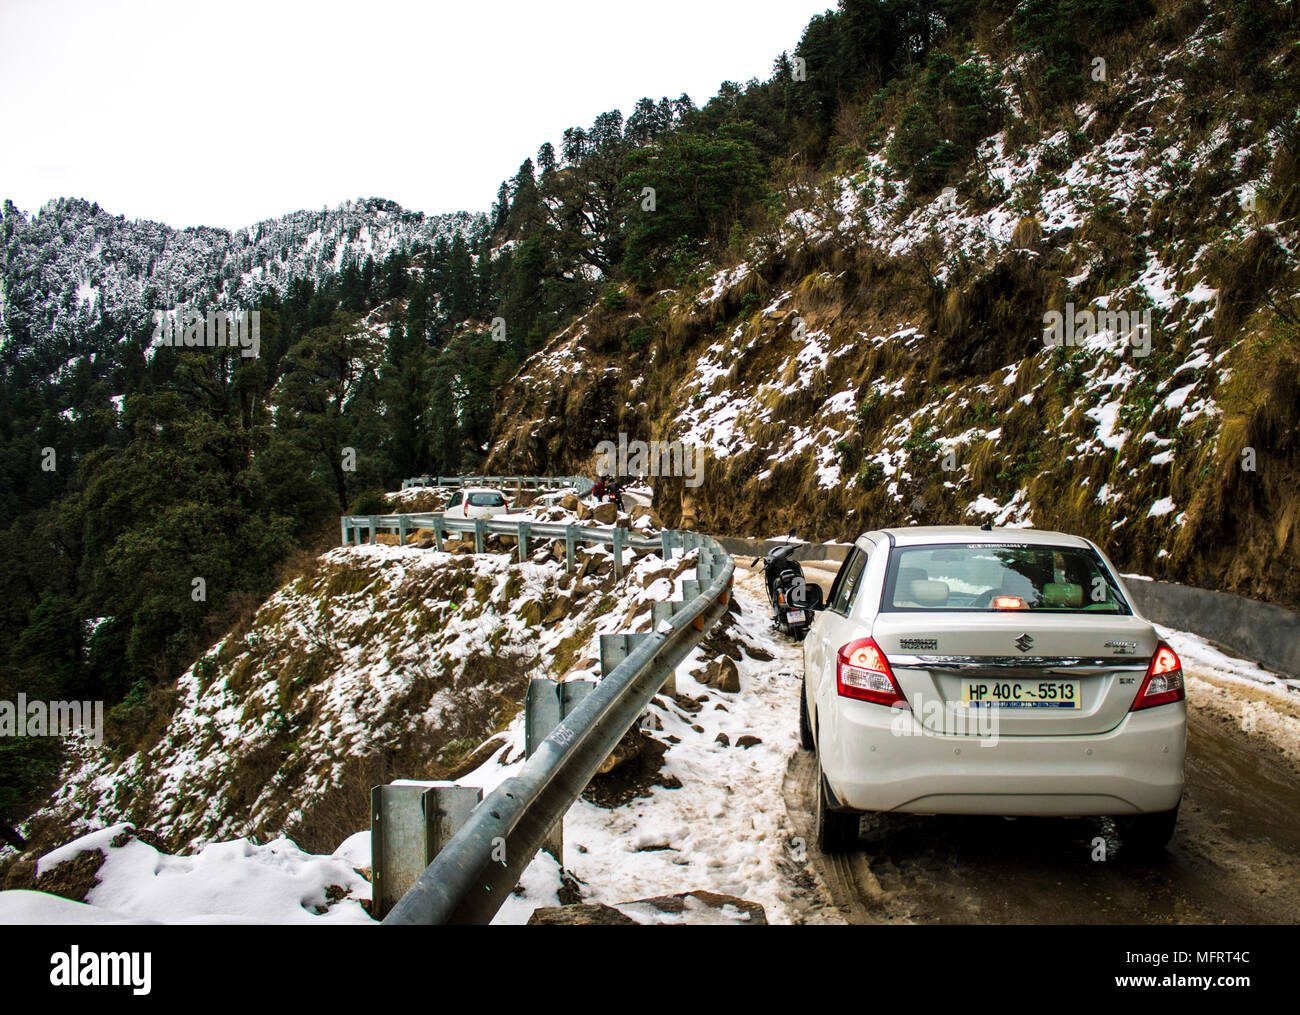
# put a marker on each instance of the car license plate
(794, 617)
(984, 693)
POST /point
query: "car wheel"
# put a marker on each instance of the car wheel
(837, 831)
(1147, 834)
(805, 728)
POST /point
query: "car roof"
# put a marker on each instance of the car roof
(918, 535)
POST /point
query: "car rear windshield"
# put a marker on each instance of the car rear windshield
(1000, 576)
(486, 500)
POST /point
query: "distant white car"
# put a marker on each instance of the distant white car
(476, 502)
(959, 670)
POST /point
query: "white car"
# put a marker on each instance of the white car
(960, 670)
(476, 502)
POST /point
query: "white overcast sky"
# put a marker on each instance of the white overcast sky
(227, 113)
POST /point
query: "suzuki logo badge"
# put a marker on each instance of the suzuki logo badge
(1024, 643)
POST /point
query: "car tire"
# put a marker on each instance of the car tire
(1147, 834)
(805, 727)
(837, 831)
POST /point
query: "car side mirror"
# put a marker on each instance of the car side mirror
(813, 597)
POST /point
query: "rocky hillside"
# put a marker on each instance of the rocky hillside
(882, 353)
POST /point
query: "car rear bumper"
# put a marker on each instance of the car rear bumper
(877, 759)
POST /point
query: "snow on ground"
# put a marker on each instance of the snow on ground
(225, 882)
(726, 829)
(1198, 654)
(1261, 701)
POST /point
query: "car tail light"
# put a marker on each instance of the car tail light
(1008, 603)
(862, 672)
(1164, 680)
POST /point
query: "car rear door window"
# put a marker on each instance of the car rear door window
(846, 582)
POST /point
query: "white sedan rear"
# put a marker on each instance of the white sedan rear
(958, 670)
(476, 502)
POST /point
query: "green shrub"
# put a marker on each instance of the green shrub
(954, 106)
(371, 502)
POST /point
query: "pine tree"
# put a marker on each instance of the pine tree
(546, 158)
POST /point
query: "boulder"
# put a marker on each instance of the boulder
(722, 675)
(704, 907)
(569, 502)
(584, 915)
(559, 610)
(605, 513)
(644, 517)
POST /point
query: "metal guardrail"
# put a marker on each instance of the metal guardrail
(474, 873)
(524, 531)
(582, 484)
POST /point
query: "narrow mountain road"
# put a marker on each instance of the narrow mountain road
(1232, 859)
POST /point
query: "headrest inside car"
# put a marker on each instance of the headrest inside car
(928, 593)
(1062, 595)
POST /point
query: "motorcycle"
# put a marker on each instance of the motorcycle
(611, 492)
(794, 601)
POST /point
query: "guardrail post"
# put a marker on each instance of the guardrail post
(614, 648)
(437, 532)
(524, 529)
(409, 825)
(373, 522)
(620, 534)
(401, 530)
(546, 705)
(343, 526)
(480, 531)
